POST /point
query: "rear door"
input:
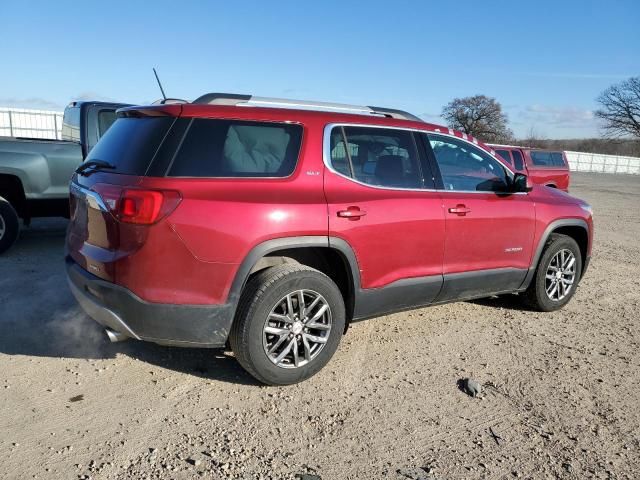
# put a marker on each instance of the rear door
(488, 232)
(382, 202)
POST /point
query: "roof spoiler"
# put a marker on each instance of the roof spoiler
(239, 100)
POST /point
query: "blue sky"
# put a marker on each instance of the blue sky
(545, 61)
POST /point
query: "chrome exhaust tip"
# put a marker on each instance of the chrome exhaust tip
(115, 336)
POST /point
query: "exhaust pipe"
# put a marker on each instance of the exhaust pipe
(115, 336)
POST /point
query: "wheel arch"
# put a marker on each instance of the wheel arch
(332, 256)
(575, 228)
(12, 190)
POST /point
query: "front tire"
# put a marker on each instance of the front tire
(557, 275)
(9, 225)
(289, 323)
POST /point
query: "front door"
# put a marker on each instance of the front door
(489, 231)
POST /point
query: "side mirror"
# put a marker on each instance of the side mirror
(521, 183)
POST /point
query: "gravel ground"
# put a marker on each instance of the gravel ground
(561, 391)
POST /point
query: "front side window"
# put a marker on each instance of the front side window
(376, 156)
(465, 167)
(232, 148)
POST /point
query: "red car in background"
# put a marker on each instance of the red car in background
(543, 167)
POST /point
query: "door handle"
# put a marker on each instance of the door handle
(461, 210)
(352, 213)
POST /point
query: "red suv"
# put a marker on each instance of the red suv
(544, 167)
(270, 225)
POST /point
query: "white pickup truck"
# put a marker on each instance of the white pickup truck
(35, 173)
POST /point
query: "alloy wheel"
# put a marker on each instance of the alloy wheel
(561, 275)
(297, 329)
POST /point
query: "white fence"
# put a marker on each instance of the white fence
(20, 122)
(596, 162)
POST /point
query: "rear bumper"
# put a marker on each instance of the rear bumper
(121, 310)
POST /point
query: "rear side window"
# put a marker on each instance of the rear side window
(376, 156)
(131, 143)
(518, 161)
(231, 148)
(505, 155)
(547, 159)
(71, 124)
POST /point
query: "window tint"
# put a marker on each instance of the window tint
(339, 157)
(547, 159)
(556, 158)
(377, 156)
(230, 148)
(105, 120)
(131, 143)
(71, 124)
(467, 168)
(505, 155)
(518, 161)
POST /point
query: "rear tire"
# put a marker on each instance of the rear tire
(557, 275)
(271, 319)
(9, 225)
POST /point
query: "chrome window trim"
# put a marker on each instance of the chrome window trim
(326, 158)
(326, 155)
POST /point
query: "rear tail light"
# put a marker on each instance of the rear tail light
(136, 205)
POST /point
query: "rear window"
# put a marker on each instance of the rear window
(505, 155)
(106, 118)
(232, 148)
(71, 124)
(547, 159)
(131, 143)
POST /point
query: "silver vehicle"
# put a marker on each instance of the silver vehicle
(35, 173)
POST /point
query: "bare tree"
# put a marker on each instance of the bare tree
(480, 116)
(534, 139)
(620, 109)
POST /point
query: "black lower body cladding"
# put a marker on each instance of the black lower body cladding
(119, 309)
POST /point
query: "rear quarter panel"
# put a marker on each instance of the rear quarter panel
(44, 167)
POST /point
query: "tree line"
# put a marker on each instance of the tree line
(619, 113)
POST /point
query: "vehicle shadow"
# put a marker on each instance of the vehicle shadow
(508, 301)
(39, 316)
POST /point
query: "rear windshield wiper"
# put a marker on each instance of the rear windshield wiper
(94, 165)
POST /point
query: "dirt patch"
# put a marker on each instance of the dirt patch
(560, 391)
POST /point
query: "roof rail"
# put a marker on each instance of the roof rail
(169, 101)
(239, 100)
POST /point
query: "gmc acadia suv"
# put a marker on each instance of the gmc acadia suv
(272, 224)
